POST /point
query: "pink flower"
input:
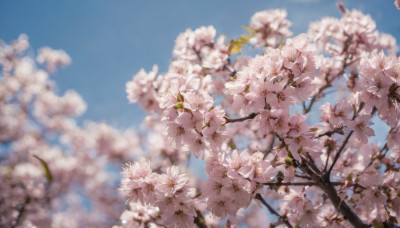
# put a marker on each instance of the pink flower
(139, 182)
(197, 145)
(271, 27)
(215, 139)
(360, 128)
(53, 58)
(182, 131)
(397, 4)
(239, 189)
(198, 101)
(310, 216)
(138, 215)
(372, 199)
(171, 182)
(239, 164)
(222, 206)
(148, 188)
(141, 84)
(279, 122)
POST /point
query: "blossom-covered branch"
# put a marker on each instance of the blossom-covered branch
(192, 102)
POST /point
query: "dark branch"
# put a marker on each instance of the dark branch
(297, 183)
(338, 154)
(199, 220)
(273, 211)
(21, 211)
(330, 133)
(341, 206)
(250, 116)
(302, 176)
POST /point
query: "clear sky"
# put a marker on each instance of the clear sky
(109, 41)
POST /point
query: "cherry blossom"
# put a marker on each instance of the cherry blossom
(305, 133)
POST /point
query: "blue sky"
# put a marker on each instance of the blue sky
(109, 41)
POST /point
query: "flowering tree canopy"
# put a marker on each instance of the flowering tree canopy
(286, 135)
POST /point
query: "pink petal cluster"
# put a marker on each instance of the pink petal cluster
(51, 167)
(308, 129)
(295, 162)
(271, 27)
(53, 58)
(233, 181)
(169, 193)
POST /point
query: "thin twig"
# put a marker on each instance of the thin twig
(273, 211)
(381, 155)
(250, 116)
(302, 176)
(297, 183)
(338, 154)
(338, 130)
(21, 211)
(341, 206)
(311, 162)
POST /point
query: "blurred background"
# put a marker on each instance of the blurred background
(109, 43)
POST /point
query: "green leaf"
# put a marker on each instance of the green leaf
(236, 45)
(249, 29)
(45, 167)
(231, 145)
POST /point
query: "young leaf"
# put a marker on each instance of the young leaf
(249, 29)
(49, 177)
(236, 45)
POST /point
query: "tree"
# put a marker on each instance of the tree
(285, 135)
(54, 173)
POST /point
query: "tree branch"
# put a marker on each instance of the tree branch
(328, 173)
(342, 206)
(327, 186)
(199, 220)
(21, 211)
(297, 183)
(250, 116)
(272, 210)
(330, 133)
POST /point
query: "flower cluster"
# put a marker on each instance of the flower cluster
(271, 28)
(51, 167)
(213, 103)
(263, 126)
(234, 181)
(170, 193)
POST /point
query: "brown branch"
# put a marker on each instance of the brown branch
(341, 206)
(329, 82)
(199, 220)
(324, 183)
(381, 154)
(21, 211)
(297, 183)
(250, 116)
(328, 173)
(315, 97)
(272, 210)
(302, 176)
(332, 132)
